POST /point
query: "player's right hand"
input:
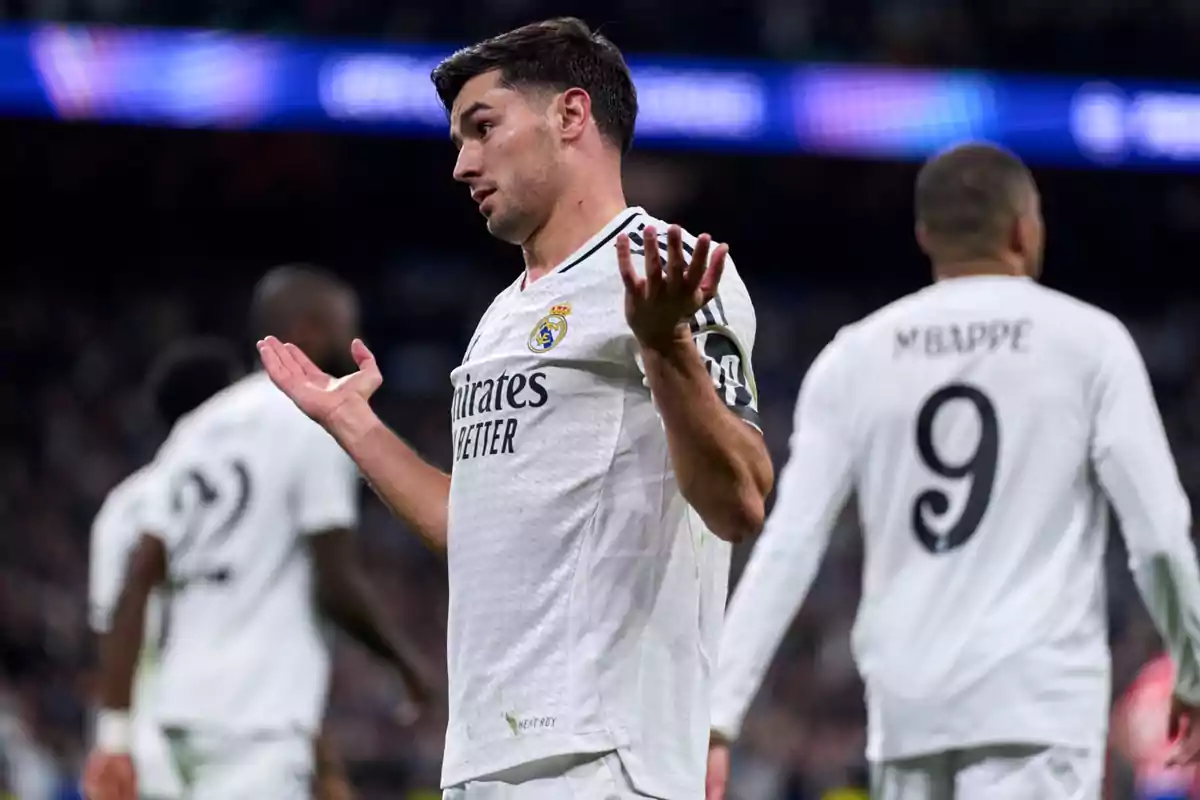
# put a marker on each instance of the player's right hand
(718, 770)
(1184, 732)
(316, 393)
(109, 777)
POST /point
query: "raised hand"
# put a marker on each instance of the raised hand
(666, 298)
(107, 776)
(316, 393)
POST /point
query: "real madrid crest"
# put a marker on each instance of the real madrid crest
(550, 329)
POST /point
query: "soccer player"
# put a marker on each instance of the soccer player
(982, 423)
(185, 377)
(249, 520)
(605, 443)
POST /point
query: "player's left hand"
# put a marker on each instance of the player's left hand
(657, 305)
(1184, 733)
(109, 777)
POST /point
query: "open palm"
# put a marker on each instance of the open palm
(315, 392)
(669, 294)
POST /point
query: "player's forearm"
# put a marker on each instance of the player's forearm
(325, 754)
(721, 463)
(1138, 474)
(1163, 561)
(412, 488)
(331, 783)
(1170, 586)
(121, 646)
(345, 595)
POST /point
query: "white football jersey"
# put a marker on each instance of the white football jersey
(242, 481)
(586, 596)
(115, 531)
(982, 423)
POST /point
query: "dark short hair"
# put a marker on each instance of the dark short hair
(561, 54)
(967, 197)
(288, 293)
(190, 372)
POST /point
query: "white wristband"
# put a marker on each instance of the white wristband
(114, 733)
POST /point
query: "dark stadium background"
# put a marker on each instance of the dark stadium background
(118, 240)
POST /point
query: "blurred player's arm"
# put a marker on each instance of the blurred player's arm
(345, 595)
(1133, 463)
(413, 489)
(121, 644)
(105, 565)
(813, 488)
(331, 780)
(327, 497)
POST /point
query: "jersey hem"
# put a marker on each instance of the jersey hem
(488, 759)
(946, 744)
(191, 724)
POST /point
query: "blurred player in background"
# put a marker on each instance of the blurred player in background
(249, 520)
(184, 378)
(605, 442)
(982, 422)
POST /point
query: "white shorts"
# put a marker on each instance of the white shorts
(1003, 772)
(578, 777)
(156, 774)
(224, 767)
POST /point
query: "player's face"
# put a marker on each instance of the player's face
(507, 155)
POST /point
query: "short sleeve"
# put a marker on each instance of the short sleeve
(155, 513)
(116, 529)
(327, 482)
(106, 568)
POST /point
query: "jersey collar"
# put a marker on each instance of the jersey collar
(593, 245)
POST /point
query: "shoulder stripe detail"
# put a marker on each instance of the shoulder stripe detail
(713, 313)
(640, 249)
(720, 308)
(687, 248)
(612, 235)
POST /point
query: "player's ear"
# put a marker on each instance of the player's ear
(1023, 235)
(574, 112)
(922, 234)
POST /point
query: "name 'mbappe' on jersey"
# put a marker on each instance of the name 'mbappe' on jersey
(486, 412)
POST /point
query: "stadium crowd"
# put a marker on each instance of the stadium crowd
(1110, 36)
(126, 240)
